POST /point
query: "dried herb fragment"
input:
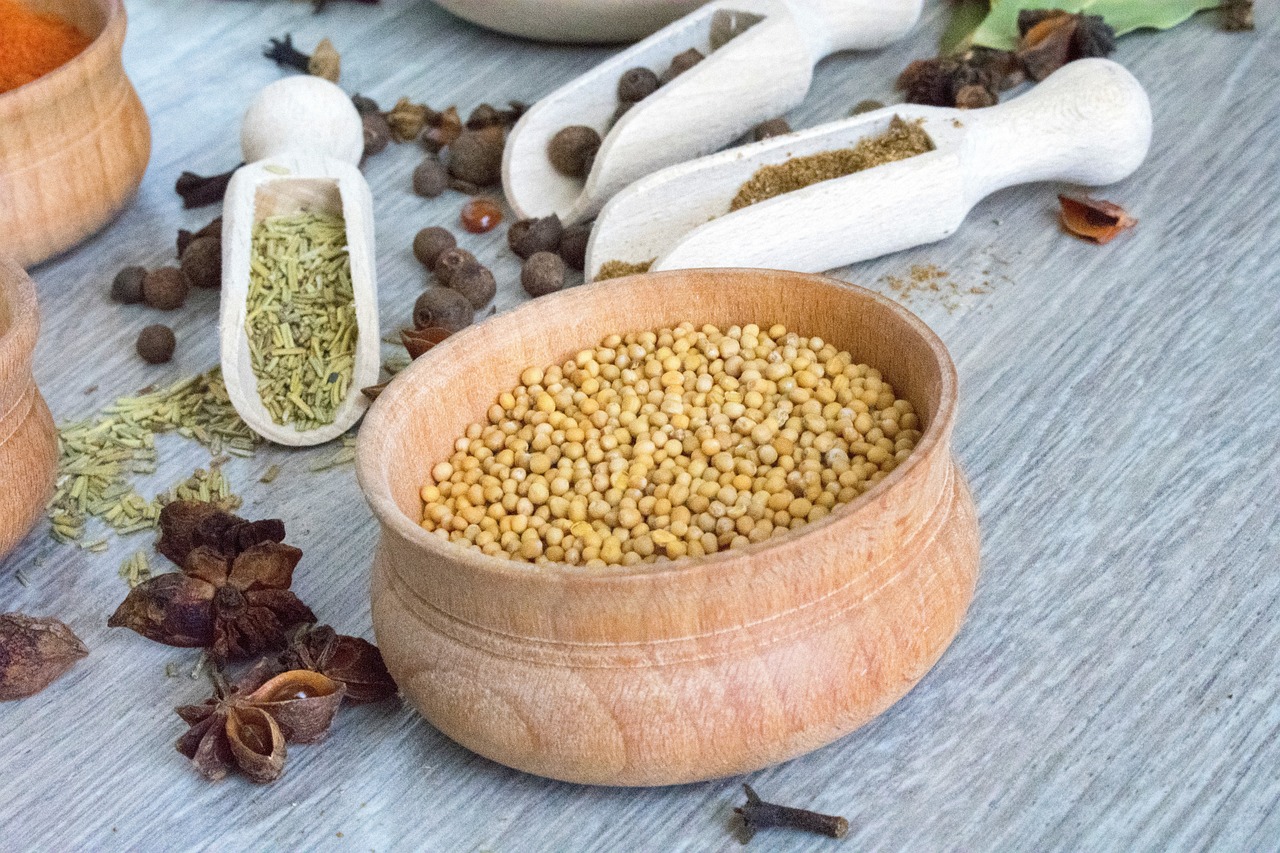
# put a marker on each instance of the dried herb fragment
(325, 62)
(283, 53)
(198, 190)
(1094, 219)
(34, 652)
(351, 661)
(407, 119)
(757, 815)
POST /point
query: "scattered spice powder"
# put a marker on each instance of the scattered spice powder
(33, 43)
(931, 282)
(301, 319)
(903, 139)
(618, 269)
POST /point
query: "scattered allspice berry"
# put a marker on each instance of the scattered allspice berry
(431, 178)
(636, 84)
(768, 129)
(444, 308)
(377, 133)
(542, 273)
(325, 62)
(165, 288)
(213, 229)
(202, 262)
(480, 215)
(476, 156)
(573, 149)
(156, 344)
(535, 235)
(476, 283)
(34, 652)
(682, 62)
(573, 245)
(126, 287)
(429, 243)
(449, 261)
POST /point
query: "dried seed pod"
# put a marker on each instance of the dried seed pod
(636, 84)
(535, 235)
(165, 288)
(476, 156)
(573, 245)
(377, 133)
(572, 150)
(442, 307)
(364, 105)
(431, 178)
(34, 652)
(1094, 219)
(681, 63)
(542, 273)
(407, 119)
(429, 243)
(772, 127)
(974, 97)
(476, 283)
(156, 344)
(126, 287)
(301, 701)
(202, 262)
(442, 130)
(449, 262)
(325, 62)
(352, 662)
(419, 341)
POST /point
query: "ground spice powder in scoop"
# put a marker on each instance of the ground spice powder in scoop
(903, 139)
(32, 44)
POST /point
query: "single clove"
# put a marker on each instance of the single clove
(757, 815)
(283, 53)
(199, 191)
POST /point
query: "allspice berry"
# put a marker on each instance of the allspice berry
(772, 127)
(202, 262)
(126, 287)
(573, 246)
(476, 156)
(156, 344)
(449, 262)
(573, 149)
(974, 97)
(535, 235)
(681, 63)
(165, 288)
(440, 307)
(431, 178)
(543, 273)
(429, 243)
(377, 133)
(636, 84)
(476, 283)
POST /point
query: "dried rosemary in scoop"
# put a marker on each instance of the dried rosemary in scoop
(301, 320)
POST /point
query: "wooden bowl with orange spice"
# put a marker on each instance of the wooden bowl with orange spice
(28, 439)
(75, 141)
(685, 669)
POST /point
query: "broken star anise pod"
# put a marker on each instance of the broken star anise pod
(187, 525)
(1094, 219)
(351, 661)
(34, 652)
(1050, 38)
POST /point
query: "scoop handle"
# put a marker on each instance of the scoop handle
(1088, 123)
(302, 115)
(835, 25)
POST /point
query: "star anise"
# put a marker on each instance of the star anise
(187, 525)
(351, 661)
(34, 652)
(938, 81)
(1051, 38)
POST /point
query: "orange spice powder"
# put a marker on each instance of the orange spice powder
(33, 43)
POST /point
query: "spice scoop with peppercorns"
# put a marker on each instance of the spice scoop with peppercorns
(877, 183)
(693, 87)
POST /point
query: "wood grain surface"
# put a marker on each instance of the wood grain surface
(1115, 686)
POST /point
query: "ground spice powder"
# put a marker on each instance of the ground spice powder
(903, 139)
(32, 44)
(618, 269)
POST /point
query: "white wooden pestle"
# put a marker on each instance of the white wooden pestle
(759, 75)
(1088, 123)
(302, 139)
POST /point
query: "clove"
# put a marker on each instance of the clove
(282, 52)
(757, 815)
(199, 191)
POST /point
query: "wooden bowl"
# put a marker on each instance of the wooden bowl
(573, 20)
(73, 144)
(28, 439)
(692, 669)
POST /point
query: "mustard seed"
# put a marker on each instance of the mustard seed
(573, 149)
(430, 243)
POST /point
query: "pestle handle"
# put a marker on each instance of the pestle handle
(302, 115)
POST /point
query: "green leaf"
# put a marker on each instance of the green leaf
(966, 17)
(1000, 28)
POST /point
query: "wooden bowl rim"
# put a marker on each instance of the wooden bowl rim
(373, 476)
(18, 293)
(110, 39)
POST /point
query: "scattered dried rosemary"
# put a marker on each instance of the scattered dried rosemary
(903, 139)
(34, 652)
(301, 318)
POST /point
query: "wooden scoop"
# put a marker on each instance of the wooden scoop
(1088, 123)
(760, 74)
(302, 139)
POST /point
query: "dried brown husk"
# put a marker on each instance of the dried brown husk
(355, 663)
(172, 608)
(443, 129)
(407, 119)
(419, 341)
(1094, 219)
(34, 652)
(303, 702)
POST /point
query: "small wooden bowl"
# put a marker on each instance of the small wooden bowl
(28, 439)
(688, 670)
(572, 20)
(73, 144)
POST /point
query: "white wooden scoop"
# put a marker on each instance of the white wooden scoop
(1088, 123)
(761, 74)
(302, 139)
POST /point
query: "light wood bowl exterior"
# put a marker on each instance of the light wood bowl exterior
(28, 439)
(682, 671)
(73, 144)
(572, 20)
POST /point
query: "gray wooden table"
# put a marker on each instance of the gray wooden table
(1117, 684)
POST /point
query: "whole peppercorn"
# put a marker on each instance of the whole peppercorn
(681, 63)
(202, 262)
(377, 133)
(430, 242)
(165, 288)
(156, 344)
(431, 178)
(637, 84)
(440, 307)
(770, 128)
(535, 235)
(573, 246)
(543, 273)
(572, 150)
(474, 282)
(476, 156)
(449, 262)
(126, 287)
